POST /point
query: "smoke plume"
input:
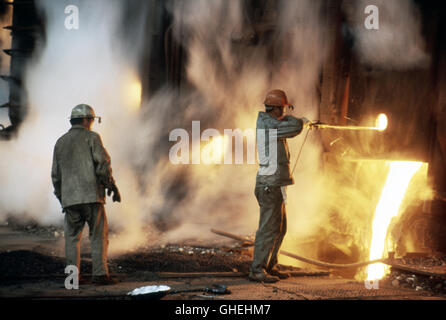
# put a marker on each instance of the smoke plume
(93, 65)
(233, 79)
(397, 44)
(231, 65)
(89, 65)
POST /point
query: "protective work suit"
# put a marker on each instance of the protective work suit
(270, 189)
(81, 173)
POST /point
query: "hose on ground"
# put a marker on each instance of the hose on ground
(310, 261)
(332, 265)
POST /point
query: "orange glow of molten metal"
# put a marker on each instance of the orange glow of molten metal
(381, 122)
(213, 152)
(392, 195)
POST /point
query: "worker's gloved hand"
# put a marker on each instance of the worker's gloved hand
(307, 123)
(116, 194)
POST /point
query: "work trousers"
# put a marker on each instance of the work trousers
(272, 228)
(75, 218)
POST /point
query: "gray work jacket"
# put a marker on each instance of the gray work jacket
(81, 168)
(288, 127)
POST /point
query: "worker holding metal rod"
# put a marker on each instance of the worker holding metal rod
(274, 174)
(273, 128)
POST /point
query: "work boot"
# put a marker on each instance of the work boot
(279, 274)
(262, 277)
(104, 280)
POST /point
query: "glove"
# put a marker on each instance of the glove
(116, 194)
(307, 123)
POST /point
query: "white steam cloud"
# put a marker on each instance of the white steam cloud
(233, 78)
(89, 65)
(232, 63)
(398, 43)
(93, 65)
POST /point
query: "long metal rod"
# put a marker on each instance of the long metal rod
(329, 126)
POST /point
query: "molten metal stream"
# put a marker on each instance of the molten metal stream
(392, 195)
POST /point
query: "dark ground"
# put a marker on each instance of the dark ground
(32, 266)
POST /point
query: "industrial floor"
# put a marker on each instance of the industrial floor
(46, 286)
(301, 288)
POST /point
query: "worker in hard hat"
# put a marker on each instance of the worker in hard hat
(273, 128)
(81, 174)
